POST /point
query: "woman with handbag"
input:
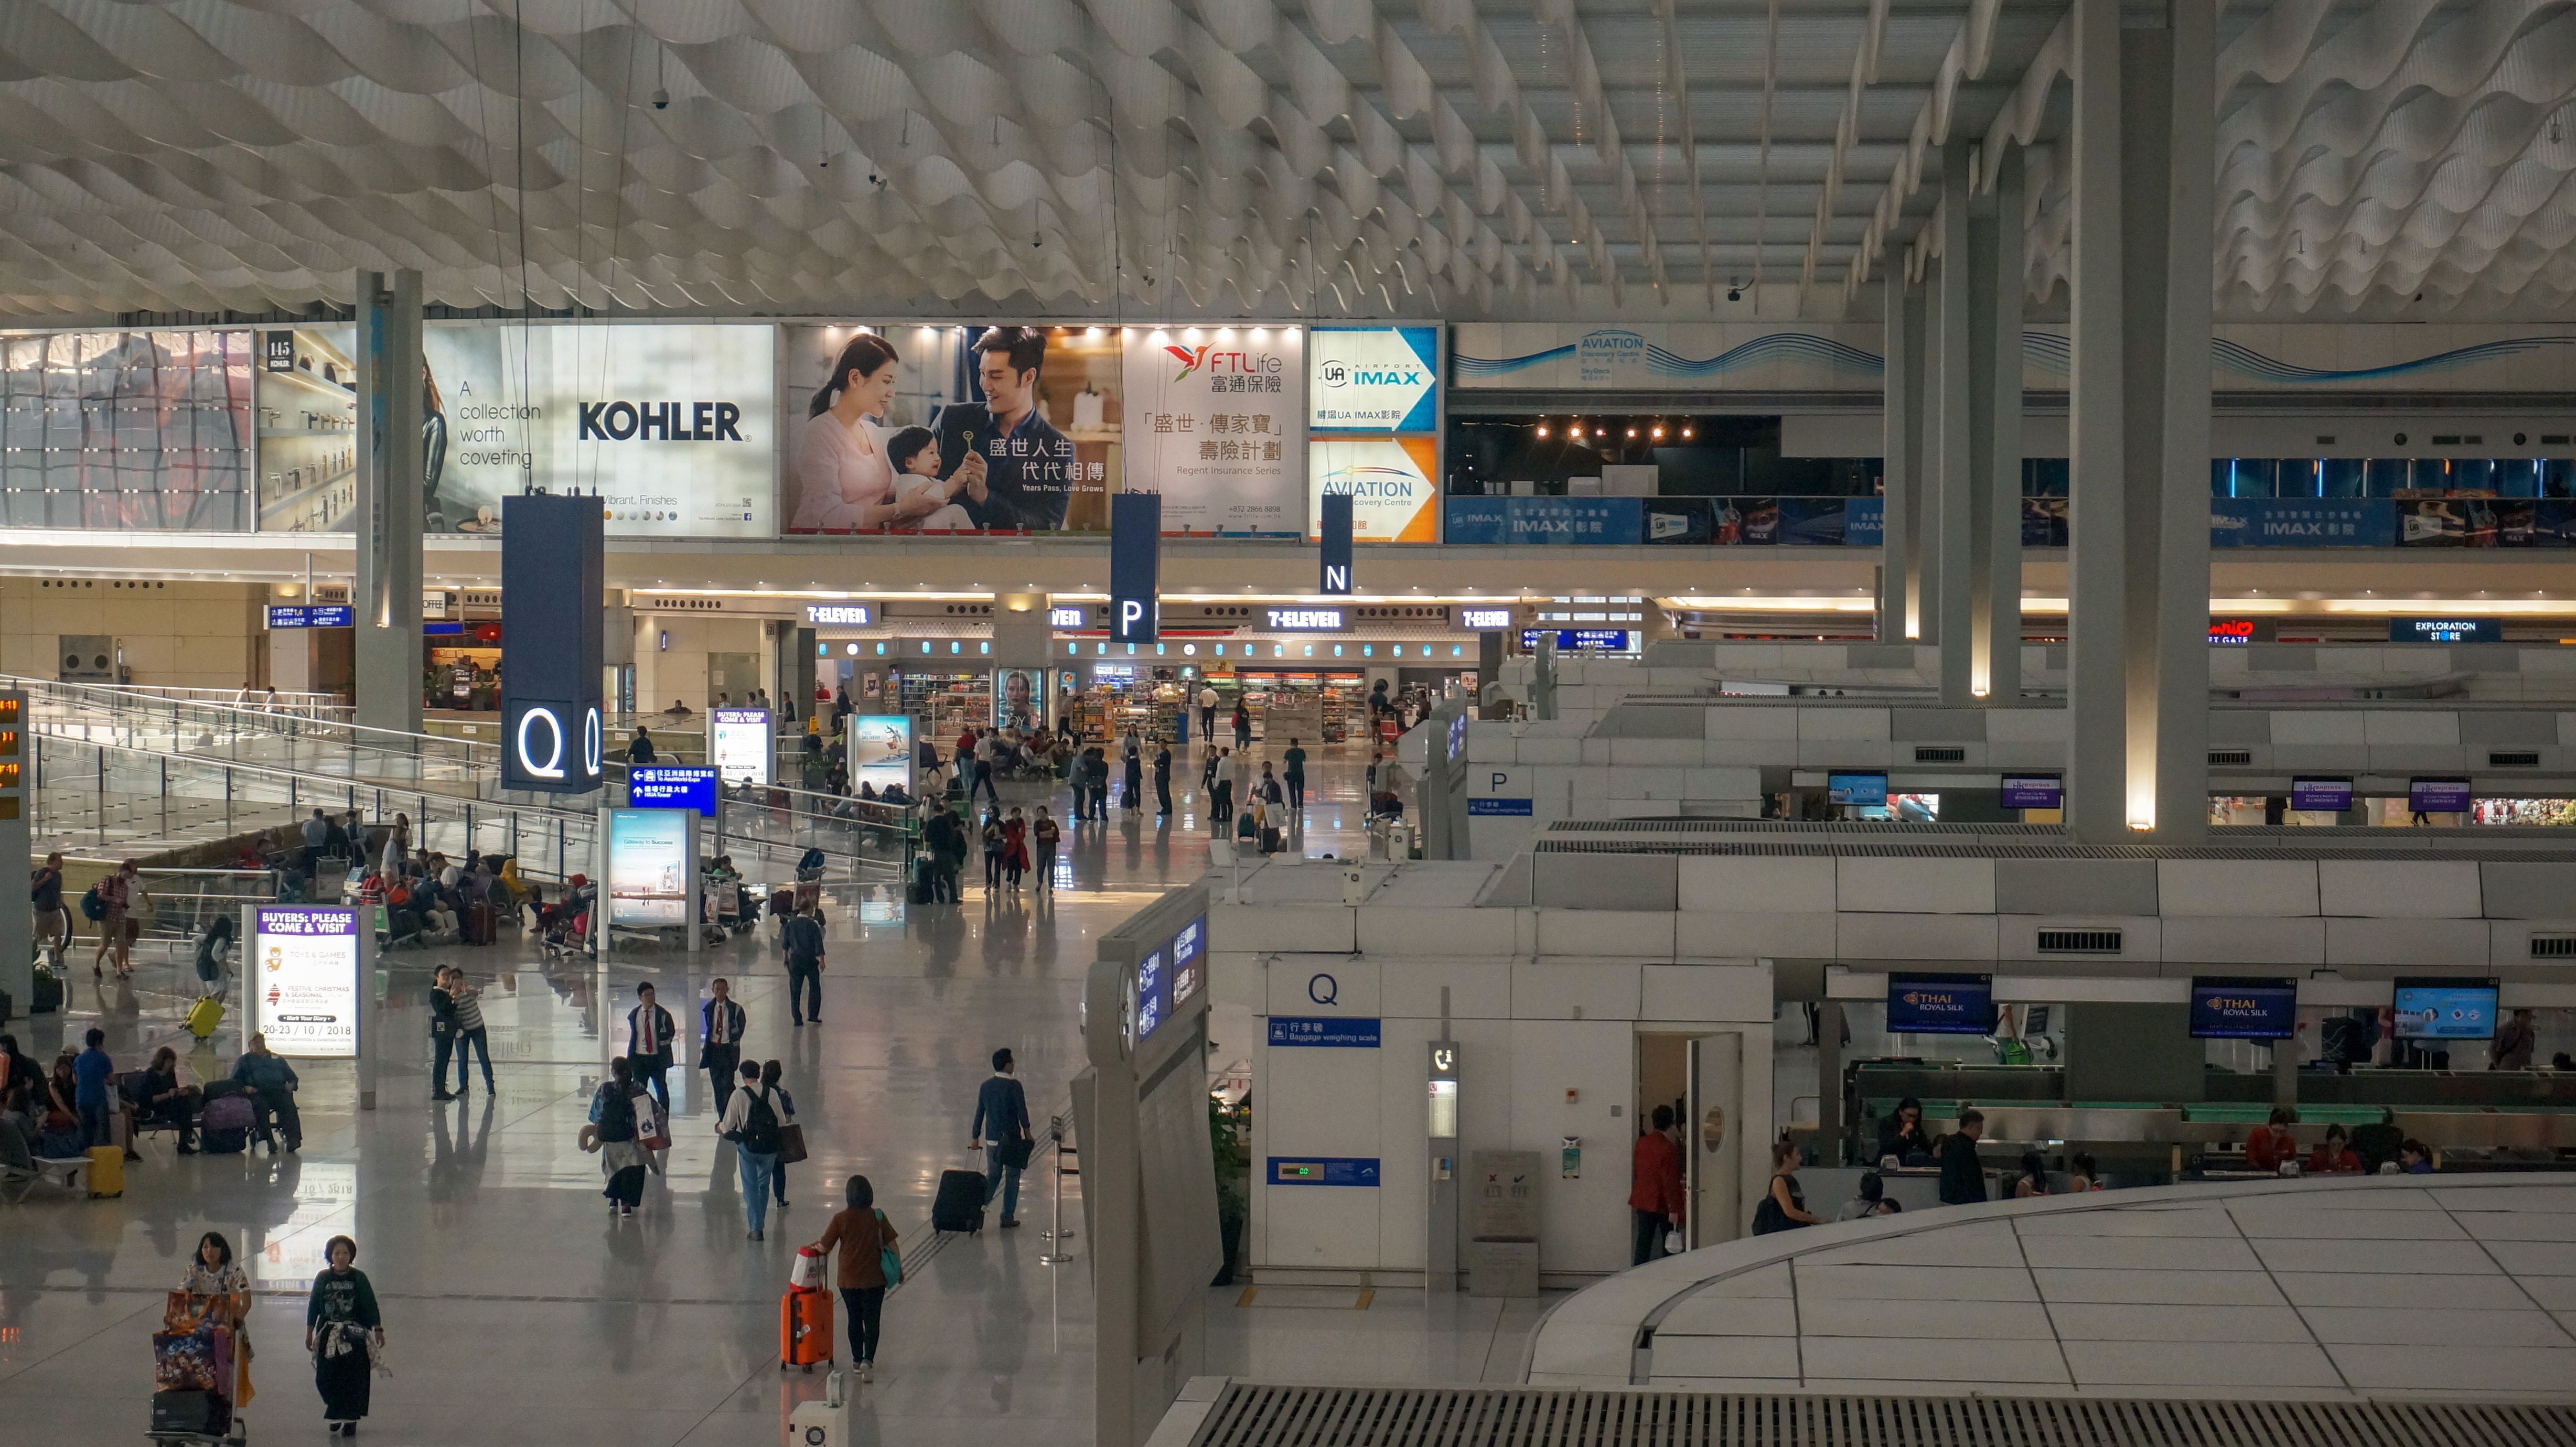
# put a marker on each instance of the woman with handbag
(215, 1286)
(791, 1136)
(344, 1331)
(870, 1263)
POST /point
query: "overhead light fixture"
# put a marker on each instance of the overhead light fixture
(1542, 431)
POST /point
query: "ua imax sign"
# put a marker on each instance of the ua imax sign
(1374, 379)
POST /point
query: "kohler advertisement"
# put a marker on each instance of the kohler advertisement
(670, 426)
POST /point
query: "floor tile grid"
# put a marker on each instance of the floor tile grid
(2056, 1337)
(2275, 1281)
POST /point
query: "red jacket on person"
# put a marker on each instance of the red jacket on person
(1655, 1175)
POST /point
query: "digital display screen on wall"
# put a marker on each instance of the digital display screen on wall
(670, 425)
(2033, 791)
(127, 431)
(2445, 1009)
(2438, 796)
(1864, 789)
(2244, 1009)
(1188, 954)
(880, 750)
(1940, 1004)
(2329, 795)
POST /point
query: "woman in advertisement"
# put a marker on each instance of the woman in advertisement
(1019, 704)
(846, 475)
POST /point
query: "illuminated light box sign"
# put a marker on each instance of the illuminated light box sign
(1188, 954)
(2231, 632)
(1569, 640)
(1484, 620)
(880, 750)
(1306, 620)
(672, 786)
(1867, 790)
(1153, 993)
(1498, 808)
(1323, 1032)
(2033, 791)
(324, 615)
(2445, 1009)
(2330, 795)
(648, 868)
(2244, 1009)
(1940, 1004)
(839, 615)
(1375, 379)
(739, 743)
(1067, 618)
(304, 991)
(2438, 796)
(2445, 630)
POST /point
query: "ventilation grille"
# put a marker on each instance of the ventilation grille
(2230, 758)
(2513, 759)
(1940, 754)
(1248, 1415)
(2079, 942)
(2553, 947)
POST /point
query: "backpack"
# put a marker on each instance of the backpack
(760, 1127)
(616, 1115)
(93, 908)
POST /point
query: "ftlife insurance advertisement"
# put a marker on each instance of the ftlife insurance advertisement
(1219, 426)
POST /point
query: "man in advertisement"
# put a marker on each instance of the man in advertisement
(1018, 470)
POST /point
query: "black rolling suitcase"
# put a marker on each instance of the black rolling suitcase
(959, 1205)
(919, 891)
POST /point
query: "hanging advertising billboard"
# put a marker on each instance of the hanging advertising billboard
(1220, 426)
(669, 425)
(305, 964)
(1391, 482)
(1374, 379)
(127, 431)
(945, 429)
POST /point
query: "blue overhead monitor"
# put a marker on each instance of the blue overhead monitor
(2244, 1009)
(2440, 1009)
(1865, 789)
(1940, 1004)
(2329, 795)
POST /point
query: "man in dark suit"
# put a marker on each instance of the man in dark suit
(720, 1027)
(1001, 1131)
(648, 1044)
(1019, 471)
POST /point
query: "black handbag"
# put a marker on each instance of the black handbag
(1015, 1154)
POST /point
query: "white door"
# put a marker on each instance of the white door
(1713, 1139)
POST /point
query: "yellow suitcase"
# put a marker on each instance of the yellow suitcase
(106, 1171)
(204, 1016)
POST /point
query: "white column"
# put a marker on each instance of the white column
(1994, 405)
(2096, 564)
(391, 500)
(1952, 434)
(1902, 507)
(2182, 564)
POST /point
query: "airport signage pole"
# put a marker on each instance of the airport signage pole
(1135, 567)
(1333, 521)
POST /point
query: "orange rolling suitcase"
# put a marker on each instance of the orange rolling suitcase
(804, 1329)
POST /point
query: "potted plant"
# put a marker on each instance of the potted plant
(48, 992)
(1230, 1136)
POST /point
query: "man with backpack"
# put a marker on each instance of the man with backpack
(751, 1123)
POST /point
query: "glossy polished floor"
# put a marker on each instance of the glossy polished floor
(518, 1310)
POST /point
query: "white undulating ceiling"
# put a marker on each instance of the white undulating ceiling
(1461, 158)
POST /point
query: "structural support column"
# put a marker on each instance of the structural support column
(1994, 419)
(1900, 573)
(1951, 434)
(2139, 564)
(392, 496)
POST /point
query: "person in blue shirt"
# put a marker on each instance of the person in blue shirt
(1001, 1131)
(273, 1082)
(1018, 471)
(91, 1098)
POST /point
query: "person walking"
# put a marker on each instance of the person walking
(1242, 727)
(45, 902)
(720, 1027)
(215, 959)
(769, 1074)
(866, 1241)
(620, 1130)
(945, 840)
(471, 1036)
(1044, 834)
(648, 1044)
(122, 896)
(1135, 776)
(1001, 1131)
(213, 1273)
(1207, 712)
(1655, 1195)
(992, 836)
(1163, 779)
(984, 760)
(1221, 784)
(442, 1035)
(2515, 1043)
(1784, 1206)
(397, 846)
(1078, 774)
(1963, 1177)
(1015, 849)
(639, 749)
(1293, 774)
(344, 1331)
(801, 939)
(751, 1123)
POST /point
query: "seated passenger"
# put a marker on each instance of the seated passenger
(1873, 1194)
(272, 1081)
(439, 925)
(2081, 1175)
(166, 1091)
(2269, 1145)
(2414, 1158)
(2033, 1180)
(2335, 1157)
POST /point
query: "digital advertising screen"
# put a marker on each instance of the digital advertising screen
(2445, 1009)
(2330, 795)
(648, 868)
(738, 742)
(2244, 1009)
(1940, 1004)
(305, 987)
(880, 750)
(2438, 796)
(1866, 790)
(1020, 699)
(1188, 954)
(672, 786)
(2033, 791)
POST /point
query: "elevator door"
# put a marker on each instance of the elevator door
(1713, 1139)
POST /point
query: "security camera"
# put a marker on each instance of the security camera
(661, 99)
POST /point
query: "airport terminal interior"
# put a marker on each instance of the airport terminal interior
(1653, 723)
